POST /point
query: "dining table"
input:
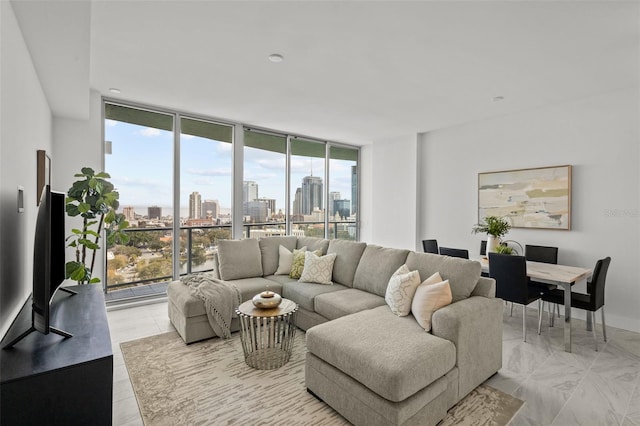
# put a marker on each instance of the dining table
(561, 275)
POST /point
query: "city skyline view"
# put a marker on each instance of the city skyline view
(140, 157)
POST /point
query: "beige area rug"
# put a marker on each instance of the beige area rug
(208, 383)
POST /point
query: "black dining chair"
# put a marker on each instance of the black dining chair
(483, 252)
(430, 246)
(544, 254)
(591, 302)
(512, 283)
(453, 252)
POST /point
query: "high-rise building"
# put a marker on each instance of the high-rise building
(333, 195)
(249, 193)
(154, 212)
(342, 208)
(297, 202)
(311, 194)
(257, 210)
(195, 205)
(129, 213)
(210, 209)
(354, 189)
(271, 205)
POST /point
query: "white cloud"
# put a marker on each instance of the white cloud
(223, 148)
(210, 172)
(272, 164)
(150, 132)
(110, 123)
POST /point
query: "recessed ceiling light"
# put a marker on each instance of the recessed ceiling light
(114, 90)
(276, 57)
(497, 98)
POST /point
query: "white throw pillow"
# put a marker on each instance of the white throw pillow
(431, 295)
(318, 269)
(400, 291)
(285, 260)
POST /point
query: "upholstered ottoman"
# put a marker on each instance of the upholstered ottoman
(375, 368)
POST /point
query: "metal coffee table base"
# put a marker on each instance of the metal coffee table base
(267, 341)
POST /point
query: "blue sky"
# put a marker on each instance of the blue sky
(141, 168)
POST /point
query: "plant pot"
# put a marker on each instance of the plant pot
(492, 243)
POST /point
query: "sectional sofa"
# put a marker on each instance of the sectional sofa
(369, 364)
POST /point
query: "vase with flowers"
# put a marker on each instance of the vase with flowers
(495, 227)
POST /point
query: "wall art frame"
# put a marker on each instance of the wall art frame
(43, 172)
(538, 197)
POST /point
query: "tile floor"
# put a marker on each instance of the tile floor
(580, 388)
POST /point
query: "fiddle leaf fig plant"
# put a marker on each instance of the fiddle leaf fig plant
(94, 199)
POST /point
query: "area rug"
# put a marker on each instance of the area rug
(208, 383)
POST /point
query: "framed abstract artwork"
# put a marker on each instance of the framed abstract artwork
(528, 198)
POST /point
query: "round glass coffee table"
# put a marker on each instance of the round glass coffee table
(267, 334)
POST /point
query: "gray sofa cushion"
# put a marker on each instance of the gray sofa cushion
(349, 254)
(313, 244)
(249, 287)
(340, 303)
(239, 259)
(463, 274)
(376, 266)
(304, 293)
(281, 279)
(366, 347)
(270, 255)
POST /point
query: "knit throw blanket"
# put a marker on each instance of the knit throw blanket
(220, 300)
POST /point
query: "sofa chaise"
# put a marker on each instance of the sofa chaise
(367, 363)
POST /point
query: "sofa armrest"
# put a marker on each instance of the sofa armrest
(474, 325)
(485, 287)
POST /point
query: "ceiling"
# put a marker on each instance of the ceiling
(353, 71)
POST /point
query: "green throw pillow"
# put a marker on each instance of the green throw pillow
(297, 266)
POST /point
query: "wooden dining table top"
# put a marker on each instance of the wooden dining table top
(552, 272)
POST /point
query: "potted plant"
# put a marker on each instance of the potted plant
(504, 249)
(95, 200)
(495, 227)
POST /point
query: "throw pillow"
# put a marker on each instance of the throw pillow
(239, 259)
(400, 290)
(318, 269)
(285, 260)
(298, 262)
(430, 296)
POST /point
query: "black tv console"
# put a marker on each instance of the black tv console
(52, 380)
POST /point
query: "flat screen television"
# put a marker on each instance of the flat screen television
(48, 262)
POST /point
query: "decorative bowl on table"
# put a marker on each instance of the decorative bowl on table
(266, 300)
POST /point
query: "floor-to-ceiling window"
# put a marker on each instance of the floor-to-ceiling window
(307, 185)
(175, 174)
(264, 184)
(343, 192)
(206, 179)
(139, 157)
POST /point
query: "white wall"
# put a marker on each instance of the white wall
(25, 127)
(598, 136)
(388, 193)
(77, 144)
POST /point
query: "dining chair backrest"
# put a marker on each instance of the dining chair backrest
(510, 273)
(483, 248)
(544, 254)
(430, 246)
(598, 279)
(454, 252)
